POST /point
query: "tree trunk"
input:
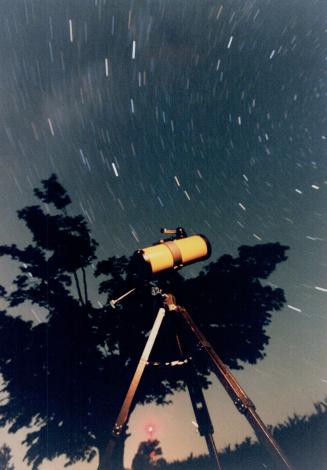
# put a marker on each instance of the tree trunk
(78, 288)
(85, 287)
(111, 456)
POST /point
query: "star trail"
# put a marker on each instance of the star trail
(209, 115)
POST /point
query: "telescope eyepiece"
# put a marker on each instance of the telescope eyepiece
(179, 232)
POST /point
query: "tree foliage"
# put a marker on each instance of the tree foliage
(67, 375)
(5, 458)
(148, 456)
(303, 438)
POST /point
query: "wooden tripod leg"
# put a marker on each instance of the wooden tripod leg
(124, 411)
(237, 394)
(199, 405)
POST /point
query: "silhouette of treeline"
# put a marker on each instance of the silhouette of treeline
(304, 441)
(65, 376)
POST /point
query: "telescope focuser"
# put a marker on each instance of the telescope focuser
(178, 232)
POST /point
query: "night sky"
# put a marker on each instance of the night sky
(205, 114)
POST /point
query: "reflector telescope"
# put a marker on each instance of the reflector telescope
(173, 253)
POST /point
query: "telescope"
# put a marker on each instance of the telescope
(167, 255)
(172, 253)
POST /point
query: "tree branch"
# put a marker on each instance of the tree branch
(78, 288)
(85, 286)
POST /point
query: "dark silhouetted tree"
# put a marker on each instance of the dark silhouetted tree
(67, 375)
(5, 458)
(303, 437)
(148, 456)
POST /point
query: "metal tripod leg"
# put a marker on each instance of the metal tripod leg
(237, 394)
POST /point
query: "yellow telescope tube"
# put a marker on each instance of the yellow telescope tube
(174, 254)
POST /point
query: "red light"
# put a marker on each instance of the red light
(150, 429)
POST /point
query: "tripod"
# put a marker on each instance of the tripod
(234, 390)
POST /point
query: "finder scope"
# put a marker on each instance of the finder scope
(173, 253)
